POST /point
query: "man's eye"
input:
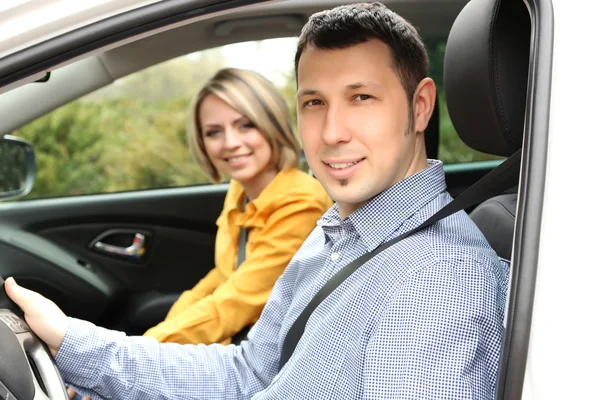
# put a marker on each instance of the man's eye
(362, 97)
(312, 103)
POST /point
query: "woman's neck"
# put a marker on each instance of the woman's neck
(255, 186)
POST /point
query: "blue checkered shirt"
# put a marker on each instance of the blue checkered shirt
(421, 320)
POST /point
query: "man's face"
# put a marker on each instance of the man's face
(353, 117)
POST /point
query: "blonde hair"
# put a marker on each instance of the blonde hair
(255, 97)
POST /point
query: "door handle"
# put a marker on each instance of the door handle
(134, 251)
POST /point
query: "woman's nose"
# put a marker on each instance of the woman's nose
(232, 138)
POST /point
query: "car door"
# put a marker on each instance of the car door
(74, 250)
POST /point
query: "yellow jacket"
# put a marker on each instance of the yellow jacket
(226, 300)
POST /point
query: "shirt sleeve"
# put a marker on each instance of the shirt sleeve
(437, 339)
(107, 364)
(239, 301)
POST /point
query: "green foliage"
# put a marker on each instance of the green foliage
(111, 145)
(131, 135)
(128, 136)
(288, 91)
(13, 168)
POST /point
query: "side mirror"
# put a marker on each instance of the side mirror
(17, 167)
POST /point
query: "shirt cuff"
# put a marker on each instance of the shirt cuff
(81, 352)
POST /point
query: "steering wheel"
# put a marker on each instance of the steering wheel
(27, 370)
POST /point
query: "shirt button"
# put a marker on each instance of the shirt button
(335, 256)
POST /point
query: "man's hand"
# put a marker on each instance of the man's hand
(44, 317)
(73, 393)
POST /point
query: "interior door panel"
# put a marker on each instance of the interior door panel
(55, 273)
(175, 257)
(48, 246)
(144, 311)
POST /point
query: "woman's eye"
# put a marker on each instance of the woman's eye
(211, 133)
(247, 126)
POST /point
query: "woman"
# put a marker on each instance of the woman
(240, 127)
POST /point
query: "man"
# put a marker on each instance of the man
(422, 319)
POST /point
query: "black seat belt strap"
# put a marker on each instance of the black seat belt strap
(238, 337)
(242, 241)
(242, 247)
(503, 177)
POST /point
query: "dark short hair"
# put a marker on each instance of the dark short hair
(349, 25)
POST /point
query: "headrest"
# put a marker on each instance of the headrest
(485, 74)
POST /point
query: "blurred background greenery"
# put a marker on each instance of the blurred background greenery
(131, 135)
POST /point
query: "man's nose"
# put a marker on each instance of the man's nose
(335, 129)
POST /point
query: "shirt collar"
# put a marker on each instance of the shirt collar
(385, 213)
(276, 187)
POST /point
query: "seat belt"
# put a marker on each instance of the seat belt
(241, 247)
(241, 335)
(243, 237)
(498, 180)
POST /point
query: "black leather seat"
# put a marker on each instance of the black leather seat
(485, 74)
(496, 220)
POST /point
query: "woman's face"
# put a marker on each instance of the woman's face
(234, 145)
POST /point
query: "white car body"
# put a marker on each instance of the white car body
(28, 22)
(564, 344)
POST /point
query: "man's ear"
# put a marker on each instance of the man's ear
(423, 103)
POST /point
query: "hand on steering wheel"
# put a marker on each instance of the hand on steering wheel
(27, 369)
(44, 317)
(73, 393)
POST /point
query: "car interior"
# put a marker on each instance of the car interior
(54, 245)
(53, 241)
(488, 95)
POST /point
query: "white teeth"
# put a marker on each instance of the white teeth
(234, 159)
(342, 166)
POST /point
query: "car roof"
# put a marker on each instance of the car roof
(28, 22)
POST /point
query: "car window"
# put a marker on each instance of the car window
(131, 135)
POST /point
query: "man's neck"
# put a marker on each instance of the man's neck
(418, 164)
